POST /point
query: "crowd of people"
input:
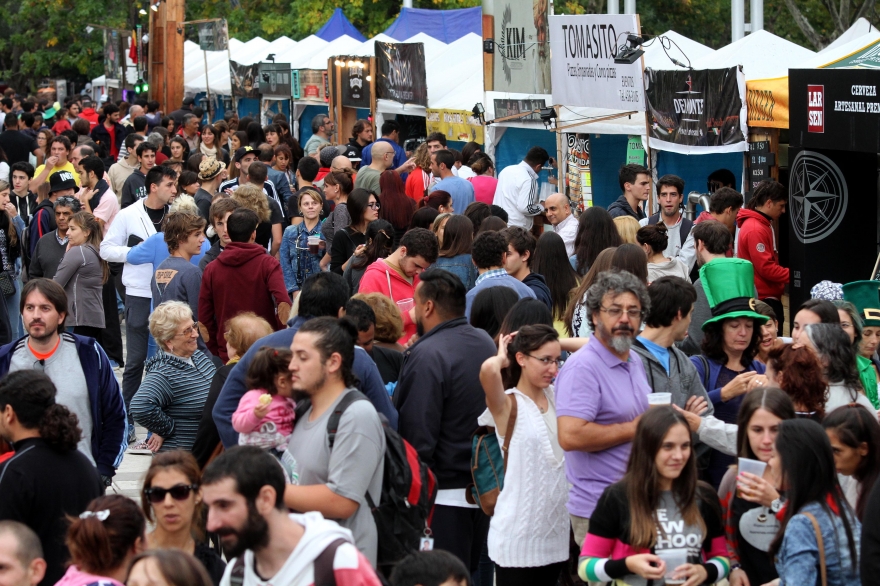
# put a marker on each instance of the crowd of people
(325, 341)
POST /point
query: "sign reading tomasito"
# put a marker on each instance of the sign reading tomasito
(583, 70)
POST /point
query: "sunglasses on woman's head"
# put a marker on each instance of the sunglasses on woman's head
(179, 492)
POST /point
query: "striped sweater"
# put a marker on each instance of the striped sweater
(606, 547)
(172, 396)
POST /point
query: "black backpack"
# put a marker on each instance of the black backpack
(403, 515)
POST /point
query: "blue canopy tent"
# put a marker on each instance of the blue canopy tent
(443, 25)
(337, 26)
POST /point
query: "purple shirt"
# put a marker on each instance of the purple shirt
(596, 386)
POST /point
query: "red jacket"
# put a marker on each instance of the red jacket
(243, 278)
(90, 115)
(376, 280)
(757, 244)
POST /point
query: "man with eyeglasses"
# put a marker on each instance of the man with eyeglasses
(50, 249)
(601, 392)
(383, 158)
(78, 367)
(61, 184)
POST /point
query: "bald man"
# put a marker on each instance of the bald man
(383, 158)
(341, 162)
(21, 555)
(558, 210)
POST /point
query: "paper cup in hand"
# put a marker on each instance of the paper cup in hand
(673, 558)
(405, 305)
(755, 467)
(658, 399)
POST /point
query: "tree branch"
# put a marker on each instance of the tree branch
(815, 39)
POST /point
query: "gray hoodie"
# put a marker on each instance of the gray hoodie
(682, 381)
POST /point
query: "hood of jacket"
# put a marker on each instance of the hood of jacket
(240, 253)
(165, 361)
(621, 204)
(398, 283)
(746, 214)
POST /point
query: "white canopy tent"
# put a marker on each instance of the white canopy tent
(859, 28)
(761, 54)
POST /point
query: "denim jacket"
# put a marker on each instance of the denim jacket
(798, 559)
(461, 266)
(297, 263)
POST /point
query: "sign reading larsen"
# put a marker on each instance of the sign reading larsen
(583, 70)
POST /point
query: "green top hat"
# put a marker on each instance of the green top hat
(729, 284)
(865, 295)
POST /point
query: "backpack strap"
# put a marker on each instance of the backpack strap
(333, 420)
(511, 424)
(821, 544)
(705, 372)
(685, 229)
(236, 576)
(323, 564)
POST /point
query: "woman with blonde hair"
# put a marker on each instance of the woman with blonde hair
(418, 181)
(298, 262)
(627, 227)
(269, 230)
(389, 324)
(82, 273)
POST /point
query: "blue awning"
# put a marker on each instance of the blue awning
(337, 26)
(443, 25)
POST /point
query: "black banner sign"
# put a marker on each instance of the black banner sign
(835, 109)
(355, 87)
(401, 73)
(243, 79)
(689, 111)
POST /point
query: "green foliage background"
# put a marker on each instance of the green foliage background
(47, 38)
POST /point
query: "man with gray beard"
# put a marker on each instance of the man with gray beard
(601, 393)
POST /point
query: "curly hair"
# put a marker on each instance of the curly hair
(179, 226)
(799, 374)
(166, 318)
(616, 282)
(389, 324)
(253, 198)
(422, 157)
(267, 363)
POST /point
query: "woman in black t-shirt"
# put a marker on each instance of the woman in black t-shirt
(363, 207)
(266, 208)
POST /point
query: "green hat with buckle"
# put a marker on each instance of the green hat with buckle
(865, 295)
(729, 284)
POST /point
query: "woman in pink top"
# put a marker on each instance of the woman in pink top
(484, 183)
(265, 414)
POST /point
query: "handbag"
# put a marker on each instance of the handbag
(7, 283)
(821, 544)
(489, 464)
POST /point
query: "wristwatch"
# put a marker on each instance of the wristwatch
(777, 505)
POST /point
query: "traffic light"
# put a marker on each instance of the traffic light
(141, 87)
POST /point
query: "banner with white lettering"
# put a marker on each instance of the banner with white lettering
(401, 73)
(697, 112)
(583, 69)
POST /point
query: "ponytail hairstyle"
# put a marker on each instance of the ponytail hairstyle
(32, 396)
(268, 363)
(527, 340)
(88, 223)
(435, 199)
(380, 243)
(344, 178)
(854, 425)
(102, 536)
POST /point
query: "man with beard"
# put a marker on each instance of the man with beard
(244, 489)
(439, 397)
(601, 392)
(78, 367)
(338, 476)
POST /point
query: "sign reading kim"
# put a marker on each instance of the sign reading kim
(697, 111)
(522, 52)
(583, 69)
(401, 73)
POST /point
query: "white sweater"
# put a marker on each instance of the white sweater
(132, 221)
(530, 525)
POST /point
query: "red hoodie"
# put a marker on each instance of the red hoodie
(90, 115)
(243, 278)
(757, 244)
(376, 279)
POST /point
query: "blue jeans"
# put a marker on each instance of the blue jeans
(12, 308)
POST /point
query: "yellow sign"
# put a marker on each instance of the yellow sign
(457, 125)
(767, 101)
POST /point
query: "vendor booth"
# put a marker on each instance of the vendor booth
(832, 210)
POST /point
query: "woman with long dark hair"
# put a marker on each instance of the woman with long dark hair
(835, 353)
(575, 318)
(179, 149)
(11, 229)
(815, 506)
(363, 208)
(797, 371)
(337, 187)
(439, 200)
(596, 232)
(396, 208)
(171, 499)
(812, 311)
(631, 258)
(550, 261)
(455, 250)
(380, 235)
(424, 218)
(855, 440)
(851, 322)
(490, 307)
(82, 273)
(469, 152)
(528, 534)
(255, 135)
(210, 145)
(657, 506)
(748, 514)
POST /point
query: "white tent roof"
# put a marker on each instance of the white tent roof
(452, 74)
(344, 45)
(368, 48)
(681, 49)
(859, 28)
(433, 47)
(839, 52)
(761, 54)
